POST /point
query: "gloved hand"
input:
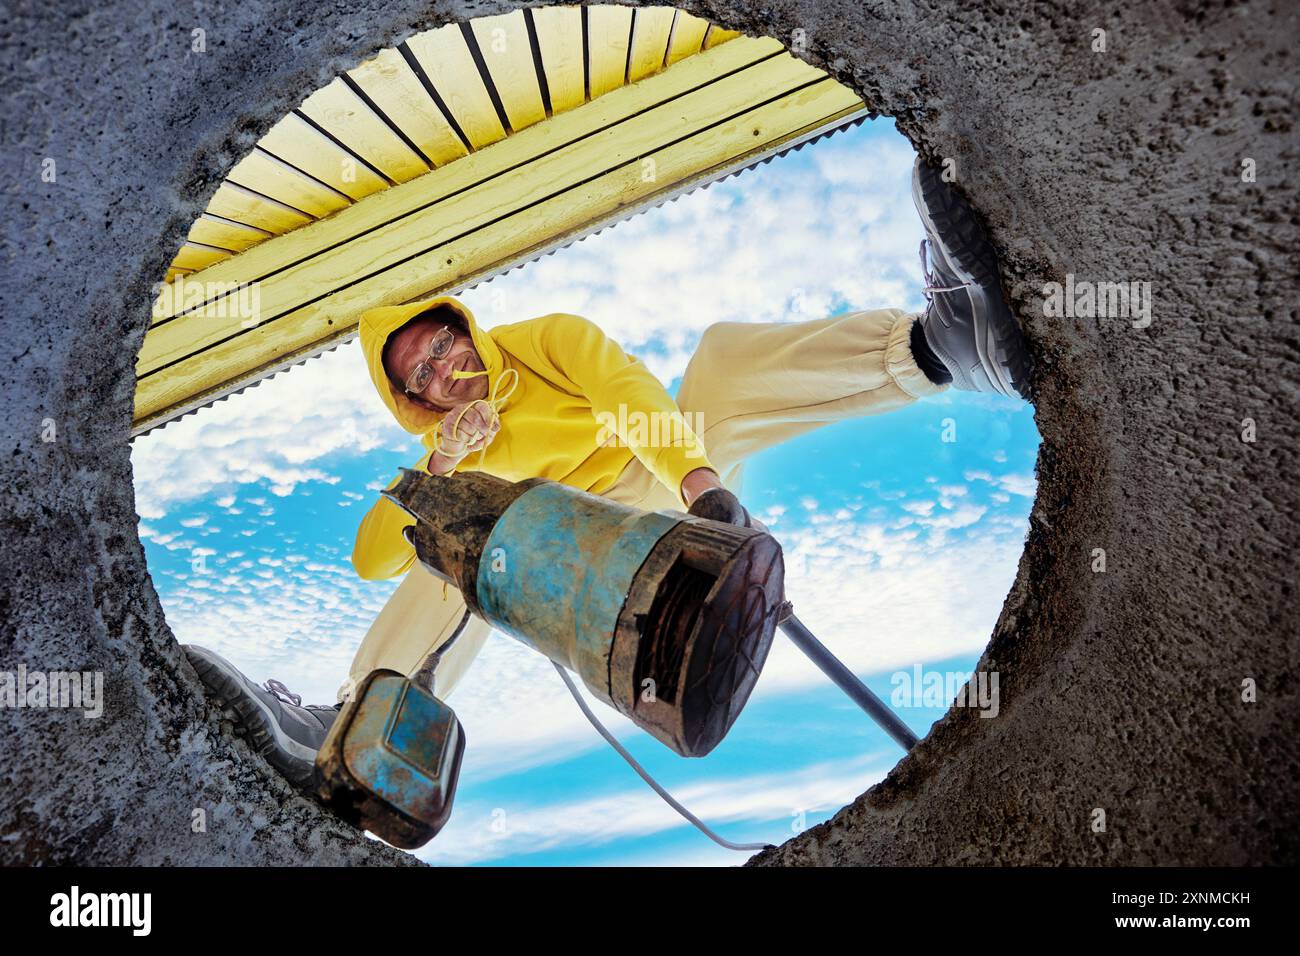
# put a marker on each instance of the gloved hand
(719, 504)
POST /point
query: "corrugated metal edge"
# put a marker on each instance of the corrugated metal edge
(791, 146)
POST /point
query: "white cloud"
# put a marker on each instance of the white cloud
(270, 434)
(1023, 483)
(883, 599)
(851, 245)
(479, 833)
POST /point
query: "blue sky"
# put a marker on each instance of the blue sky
(900, 546)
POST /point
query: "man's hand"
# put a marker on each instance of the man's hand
(474, 431)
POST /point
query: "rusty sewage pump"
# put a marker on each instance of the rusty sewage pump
(665, 616)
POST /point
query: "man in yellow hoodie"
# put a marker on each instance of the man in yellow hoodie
(554, 397)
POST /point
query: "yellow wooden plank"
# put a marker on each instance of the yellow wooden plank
(375, 211)
(503, 42)
(650, 30)
(559, 37)
(195, 257)
(386, 249)
(446, 61)
(389, 82)
(346, 117)
(235, 202)
(295, 140)
(234, 236)
(717, 35)
(173, 272)
(263, 173)
(315, 325)
(687, 36)
(607, 39)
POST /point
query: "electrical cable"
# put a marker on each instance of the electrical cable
(654, 785)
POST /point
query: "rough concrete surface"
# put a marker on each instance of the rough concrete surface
(1120, 690)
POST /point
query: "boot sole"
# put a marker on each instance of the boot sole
(252, 720)
(999, 342)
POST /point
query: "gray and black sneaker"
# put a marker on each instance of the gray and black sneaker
(270, 718)
(967, 323)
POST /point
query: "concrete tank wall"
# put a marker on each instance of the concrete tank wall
(1120, 690)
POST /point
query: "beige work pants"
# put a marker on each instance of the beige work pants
(756, 385)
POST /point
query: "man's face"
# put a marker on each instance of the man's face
(411, 346)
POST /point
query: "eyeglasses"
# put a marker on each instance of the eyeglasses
(422, 374)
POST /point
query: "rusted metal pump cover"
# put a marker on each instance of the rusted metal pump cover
(557, 570)
(665, 616)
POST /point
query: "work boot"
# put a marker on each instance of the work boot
(967, 324)
(270, 718)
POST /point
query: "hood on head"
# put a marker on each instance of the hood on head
(375, 327)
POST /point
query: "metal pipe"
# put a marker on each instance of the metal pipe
(848, 682)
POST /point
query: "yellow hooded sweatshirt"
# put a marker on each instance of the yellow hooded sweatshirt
(579, 412)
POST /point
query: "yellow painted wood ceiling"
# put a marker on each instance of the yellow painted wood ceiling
(462, 152)
(440, 96)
